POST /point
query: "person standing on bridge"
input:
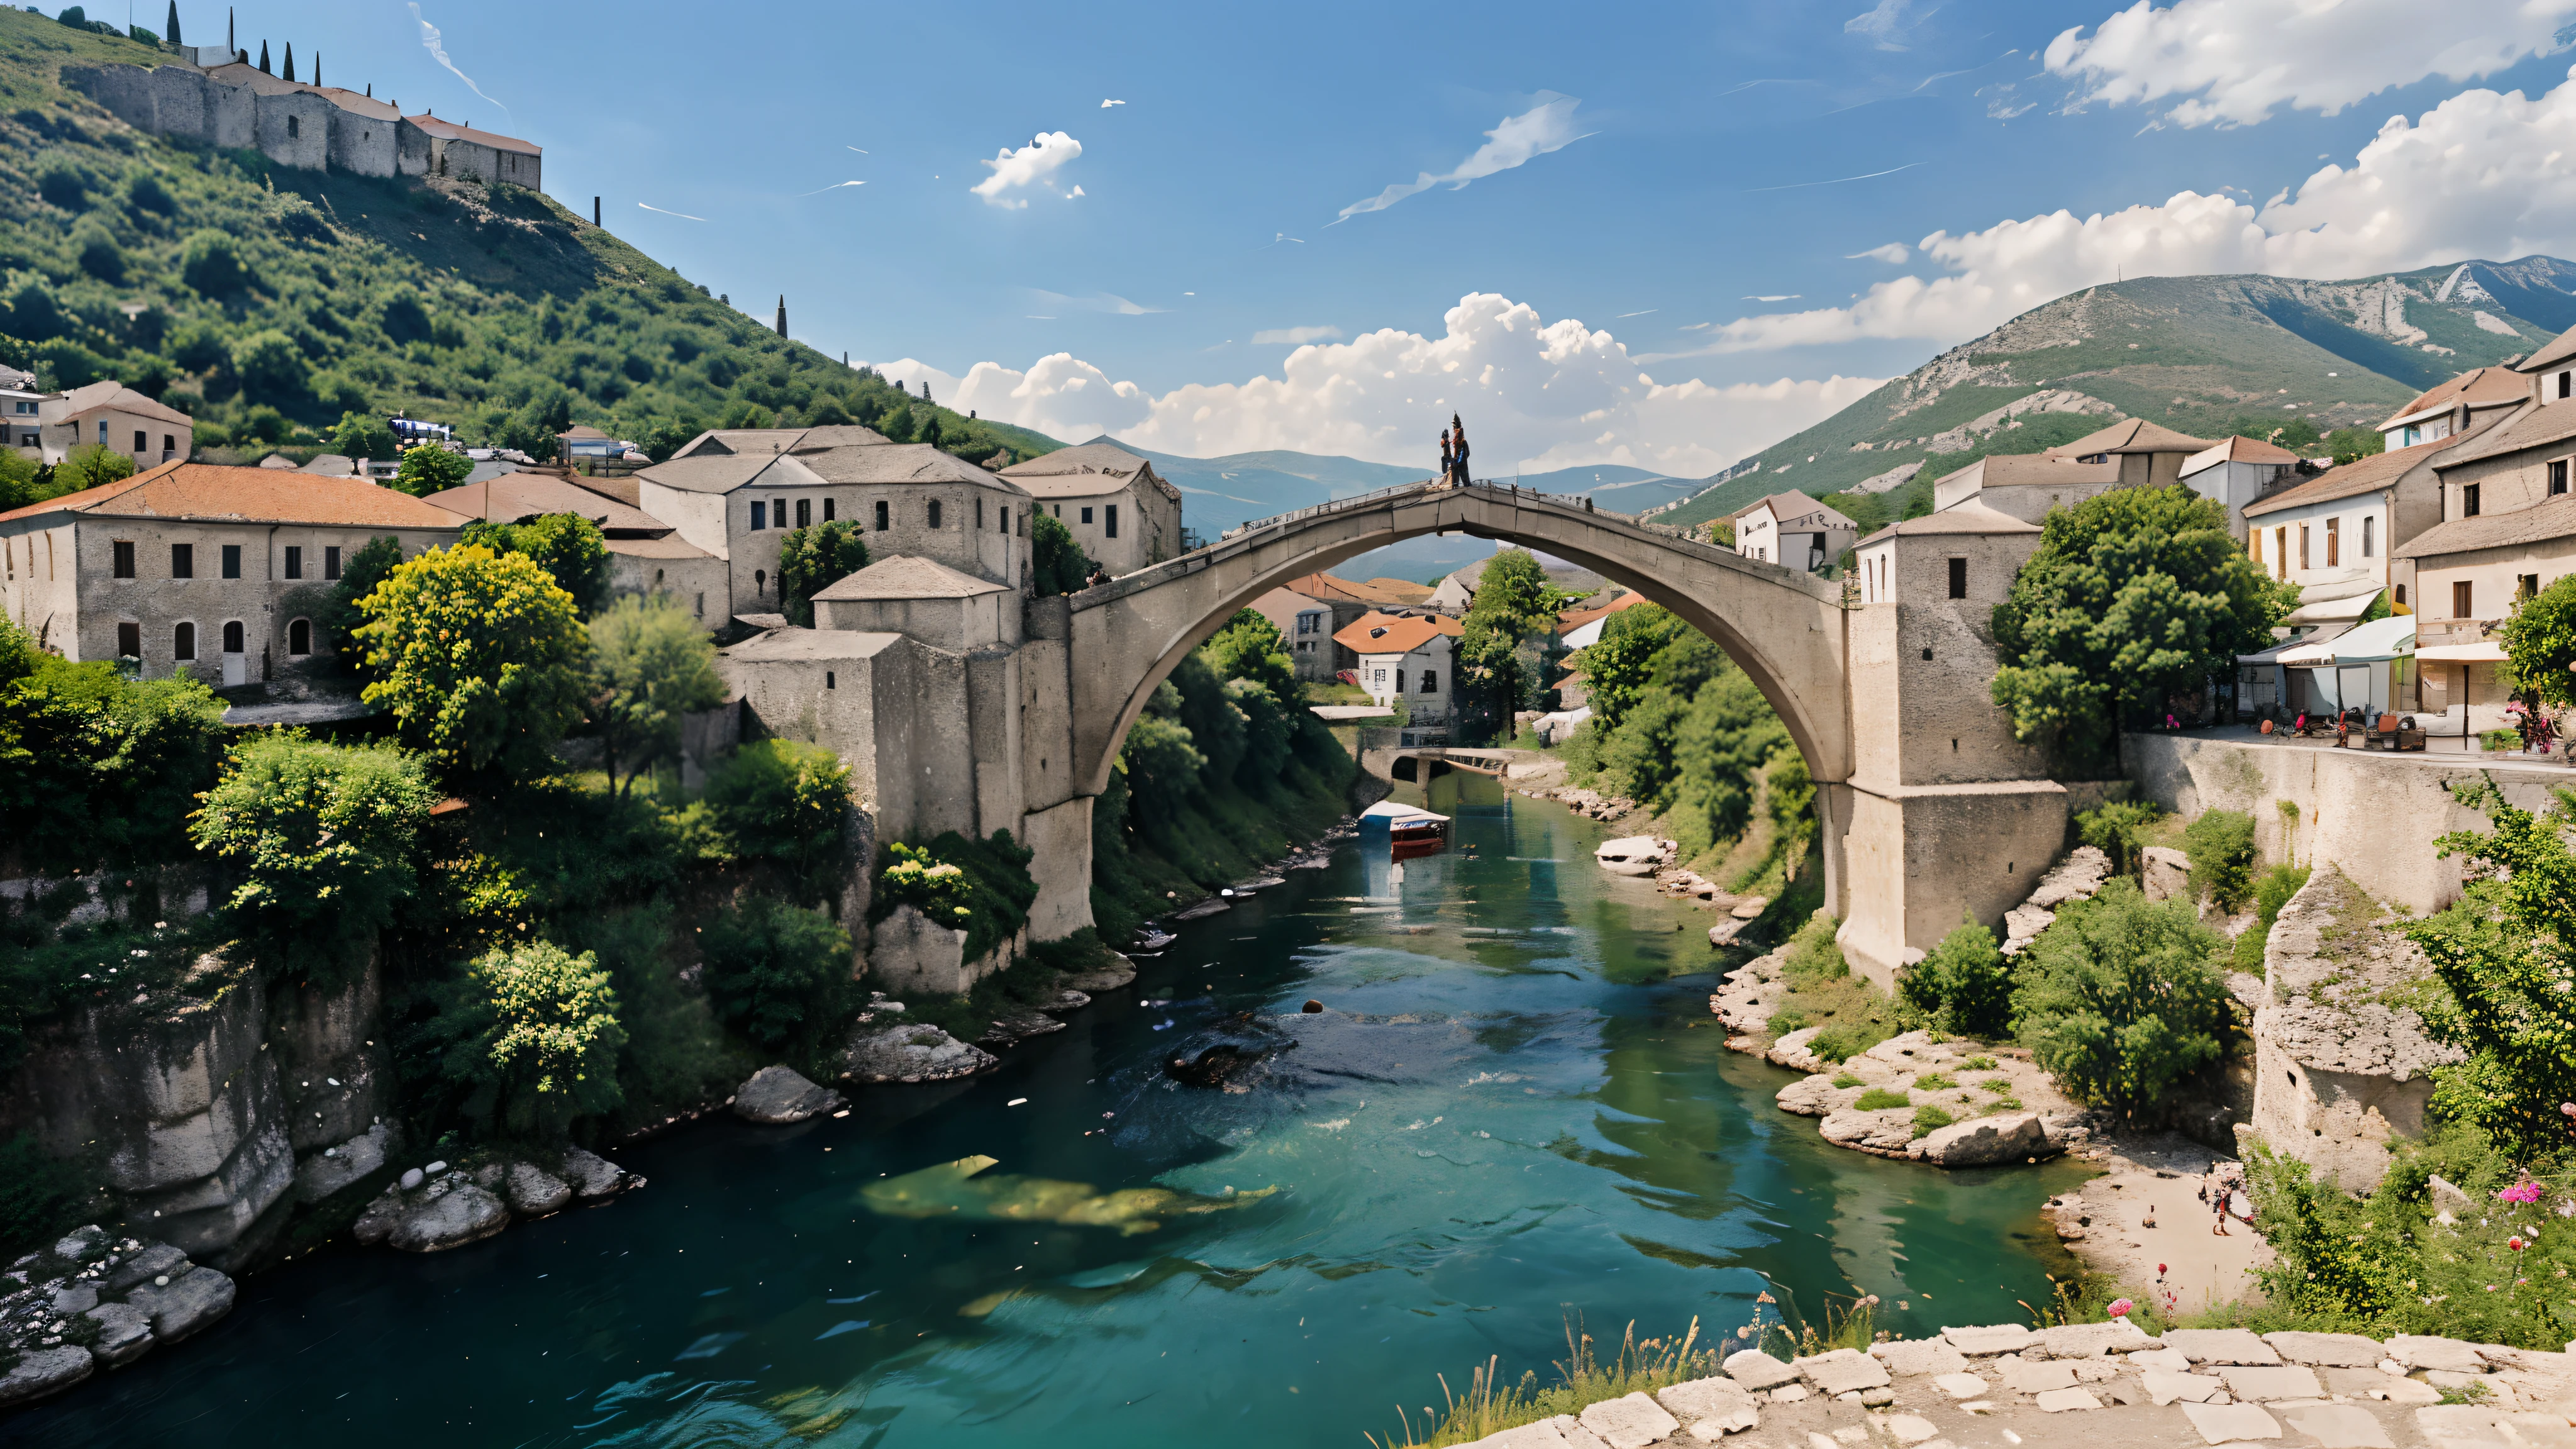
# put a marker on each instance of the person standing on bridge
(1445, 468)
(1458, 442)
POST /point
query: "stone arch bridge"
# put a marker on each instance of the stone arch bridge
(1928, 809)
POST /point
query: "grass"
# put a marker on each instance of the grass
(1880, 1099)
(2001, 1086)
(1978, 1064)
(1933, 1082)
(1846, 1081)
(1929, 1119)
(1489, 1404)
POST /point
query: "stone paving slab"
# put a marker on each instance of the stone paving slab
(2221, 1346)
(2460, 1426)
(1843, 1371)
(1630, 1422)
(2164, 1387)
(1960, 1385)
(1758, 1370)
(1712, 1407)
(1990, 1340)
(2436, 1353)
(2220, 1423)
(2059, 1401)
(2339, 1426)
(2326, 1350)
(1912, 1357)
(2286, 1382)
(2542, 1430)
(2171, 1360)
(2024, 1376)
(2092, 1340)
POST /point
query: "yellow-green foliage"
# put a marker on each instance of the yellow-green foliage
(533, 1040)
(479, 658)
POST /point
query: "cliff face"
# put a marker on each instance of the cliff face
(195, 1103)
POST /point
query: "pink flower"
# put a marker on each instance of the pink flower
(2525, 1191)
(2120, 1307)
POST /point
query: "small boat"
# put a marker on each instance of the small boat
(1155, 940)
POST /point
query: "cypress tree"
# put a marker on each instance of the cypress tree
(290, 60)
(263, 58)
(170, 29)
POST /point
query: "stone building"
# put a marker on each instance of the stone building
(217, 572)
(1793, 530)
(2148, 455)
(1305, 625)
(645, 554)
(1119, 510)
(1406, 658)
(117, 418)
(2024, 485)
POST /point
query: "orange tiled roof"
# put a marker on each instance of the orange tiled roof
(208, 493)
(1376, 633)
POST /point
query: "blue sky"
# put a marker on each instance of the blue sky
(1653, 172)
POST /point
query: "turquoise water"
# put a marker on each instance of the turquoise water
(1514, 1113)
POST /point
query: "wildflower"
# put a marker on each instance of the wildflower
(2525, 1191)
(2490, 1287)
(2120, 1308)
(2514, 1243)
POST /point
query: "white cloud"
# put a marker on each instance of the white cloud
(1096, 302)
(2480, 175)
(1547, 126)
(432, 42)
(1033, 165)
(1894, 254)
(1880, 25)
(1297, 336)
(2237, 61)
(1535, 394)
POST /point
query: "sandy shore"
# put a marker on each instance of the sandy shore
(2200, 1269)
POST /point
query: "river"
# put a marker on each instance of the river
(1516, 1111)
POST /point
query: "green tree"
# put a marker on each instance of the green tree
(813, 558)
(531, 1040)
(2135, 596)
(365, 569)
(1513, 602)
(896, 424)
(363, 435)
(780, 974)
(20, 481)
(2119, 1001)
(325, 838)
(650, 664)
(2539, 640)
(2221, 846)
(96, 768)
(788, 802)
(428, 468)
(2503, 956)
(1963, 984)
(2351, 445)
(478, 657)
(91, 465)
(212, 264)
(1617, 669)
(566, 545)
(1056, 562)
(270, 366)
(1251, 648)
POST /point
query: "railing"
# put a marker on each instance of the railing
(1293, 515)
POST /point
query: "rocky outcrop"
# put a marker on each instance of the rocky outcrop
(95, 1301)
(2164, 873)
(2004, 1108)
(447, 1212)
(779, 1094)
(1117, 974)
(335, 1167)
(2341, 1064)
(2079, 877)
(2015, 1138)
(439, 1206)
(878, 1053)
(534, 1192)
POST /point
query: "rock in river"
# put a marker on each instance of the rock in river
(535, 1192)
(189, 1302)
(449, 1213)
(778, 1094)
(594, 1176)
(43, 1371)
(911, 1054)
(1987, 1140)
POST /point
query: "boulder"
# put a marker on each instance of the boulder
(45, 1371)
(1986, 1141)
(911, 1054)
(1711, 1407)
(334, 1168)
(779, 1094)
(1632, 1421)
(2024, 922)
(155, 1260)
(1888, 1132)
(1755, 1369)
(190, 1301)
(376, 1222)
(449, 1213)
(1815, 1096)
(124, 1333)
(535, 1192)
(75, 1298)
(2164, 873)
(1018, 1025)
(594, 1177)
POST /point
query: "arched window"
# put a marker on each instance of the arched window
(760, 582)
(183, 642)
(299, 637)
(233, 637)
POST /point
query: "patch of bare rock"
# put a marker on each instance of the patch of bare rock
(2088, 1385)
(94, 1301)
(439, 1206)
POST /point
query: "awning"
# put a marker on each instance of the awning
(2485, 651)
(2305, 655)
(1586, 636)
(2333, 611)
(2389, 638)
(1392, 813)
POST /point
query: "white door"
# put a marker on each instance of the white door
(236, 662)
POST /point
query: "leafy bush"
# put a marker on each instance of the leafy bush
(566, 545)
(478, 657)
(1880, 1099)
(991, 904)
(359, 576)
(814, 558)
(1978, 1064)
(1961, 985)
(427, 468)
(212, 263)
(1929, 1119)
(96, 768)
(650, 664)
(2120, 1001)
(780, 974)
(1845, 1081)
(2271, 892)
(912, 878)
(326, 839)
(531, 1040)
(2221, 846)
(91, 465)
(788, 802)
(2539, 637)
(2117, 829)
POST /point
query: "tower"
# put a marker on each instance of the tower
(317, 67)
(782, 314)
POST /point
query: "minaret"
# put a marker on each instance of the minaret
(782, 314)
(229, 47)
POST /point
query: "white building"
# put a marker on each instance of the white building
(2466, 402)
(1306, 626)
(2236, 471)
(1405, 657)
(1793, 529)
(1118, 509)
(117, 418)
(2336, 535)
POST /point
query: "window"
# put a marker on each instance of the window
(331, 561)
(169, 443)
(760, 582)
(1113, 520)
(804, 512)
(1059, 510)
(881, 515)
(129, 641)
(1431, 681)
(778, 512)
(2462, 601)
(829, 682)
(183, 560)
(294, 127)
(232, 560)
(121, 562)
(759, 515)
(1086, 515)
(2468, 500)
(2557, 477)
(1381, 676)
(2281, 552)
(934, 513)
(1024, 523)
(299, 638)
(1958, 578)
(294, 561)
(2566, 382)
(2401, 593)
(2368, 528)
(233, 637)
(2334, 542)
(183, 642)
(827, 510)
(2526, 586)
(702, 606)
(979, 515)
(1005, 519)
(1399, 681)
(2303, 546)
(142, 444)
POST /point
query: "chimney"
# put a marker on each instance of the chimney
(782, 314)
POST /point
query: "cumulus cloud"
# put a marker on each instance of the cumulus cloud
(1547, 126)
(1894, 254)
(2481, 175)
(1032, 167)
(1297, 336)
(2236, 61)
(1535, 394)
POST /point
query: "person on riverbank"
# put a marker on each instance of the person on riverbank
(2217, 1191)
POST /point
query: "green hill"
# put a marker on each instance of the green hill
(267, 301)
(2202, 355)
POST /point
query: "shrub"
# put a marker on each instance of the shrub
(1880, 1099)
(780, 974)
(1933, 1082)
(478, 657)
(912, 878)
(787, 802)
(2120, 1002)
(531, 1040)
(1963, 984)
(2117, 829)
(650, 664)
(1056, 562)
(1978, 1064)
(2221, 846)
(2271, 892)
(96, 768)
(814, 558)
(428, 468)
(1846, 1081)
(326, 837)
(1997, 1085)
(988, 898)
(91, 466)
(1929, 1119)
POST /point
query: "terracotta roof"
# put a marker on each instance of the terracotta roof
(450, 131)
(2555, 518)
(1376, 633)
(202, 491)
(2479, 387)
(514, 496)
(2358, 476)
(83, 400)
(1968, 517)
(908, 577)
(2131, 435)
(2233, 449)
(1331, 590)
(2551, 353)
(1794, 504)
(1573, 619)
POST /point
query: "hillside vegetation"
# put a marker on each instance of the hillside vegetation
(2203, 355)
(267, 301)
